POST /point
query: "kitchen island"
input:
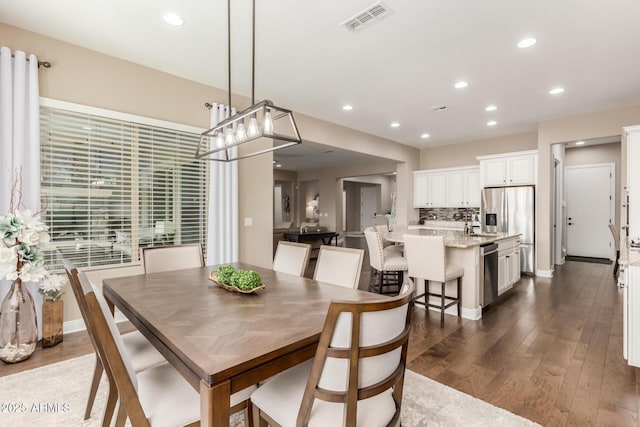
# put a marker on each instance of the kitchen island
(463, 250)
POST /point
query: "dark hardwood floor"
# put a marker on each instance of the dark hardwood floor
(550, 351)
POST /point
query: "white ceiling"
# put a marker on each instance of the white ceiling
(395, 69)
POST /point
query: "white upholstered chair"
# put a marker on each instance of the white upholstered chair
(157, 396)
(426, 257)
(157, 259)
(292, 258)
(388, 263)
(141, 352)
(357, 375)
(339, 266)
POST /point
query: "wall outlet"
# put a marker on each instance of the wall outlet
(248, 222)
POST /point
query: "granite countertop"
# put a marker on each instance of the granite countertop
(629, 255)
(454, 239)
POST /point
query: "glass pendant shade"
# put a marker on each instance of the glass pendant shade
(278, 126)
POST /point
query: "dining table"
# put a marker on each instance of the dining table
(221, 341)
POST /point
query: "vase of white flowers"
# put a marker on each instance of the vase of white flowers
(52, 309)
(21, 260)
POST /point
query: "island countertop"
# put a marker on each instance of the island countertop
(452, 239)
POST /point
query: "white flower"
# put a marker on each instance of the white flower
(8, 263)
(51, 286)
(29, 273)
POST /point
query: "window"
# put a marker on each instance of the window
(111, 186)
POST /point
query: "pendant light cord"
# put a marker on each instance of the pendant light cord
(253, 55)
(229, 49)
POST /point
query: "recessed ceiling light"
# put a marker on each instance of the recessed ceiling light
(491, 108)
(492, 123)
(425, 136)
(173, 19)
(579, 142)
(556, 90)
(347, 107)
(461, 84)
(528, 42)
(395, 124)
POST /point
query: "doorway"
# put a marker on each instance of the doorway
(590, 210)
(369, 197)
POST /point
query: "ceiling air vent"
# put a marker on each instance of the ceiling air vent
(439, 108)
(373, 13)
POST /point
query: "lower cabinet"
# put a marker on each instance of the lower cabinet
(508, 264)
(631, 316)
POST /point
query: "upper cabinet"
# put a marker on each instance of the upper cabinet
(441, 188)
(509, 169)
(632, 136)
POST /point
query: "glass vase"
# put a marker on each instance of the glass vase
(18, 325)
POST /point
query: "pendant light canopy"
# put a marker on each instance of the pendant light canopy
(259, 129)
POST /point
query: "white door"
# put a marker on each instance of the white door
(368, 202)
(589, 195)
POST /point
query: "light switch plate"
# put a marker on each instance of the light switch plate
(248, 222)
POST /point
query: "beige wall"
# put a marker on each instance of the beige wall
(87, 77)
(465, 154)
(330, 188)
(594, 154)
(587, 126)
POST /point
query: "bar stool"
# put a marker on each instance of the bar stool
(387, 263)
(426, 260)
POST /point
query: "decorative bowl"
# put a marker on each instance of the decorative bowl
(214, 278)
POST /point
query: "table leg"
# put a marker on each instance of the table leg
(214, 404)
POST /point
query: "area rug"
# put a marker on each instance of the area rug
(55, 396)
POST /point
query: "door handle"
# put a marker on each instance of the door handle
(570, 223)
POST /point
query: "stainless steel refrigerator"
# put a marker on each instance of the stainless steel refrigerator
(512, 210)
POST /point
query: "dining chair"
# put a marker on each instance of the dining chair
(339, 266)
(157, 396)
(141, 352)
(357, 375)
(426, 258)
(157, 259)
(292, 258)
(616, 242)
(388, 264)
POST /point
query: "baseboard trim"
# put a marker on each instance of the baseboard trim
(544, 273)
(78, 325)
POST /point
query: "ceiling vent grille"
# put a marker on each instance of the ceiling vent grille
(373, 13)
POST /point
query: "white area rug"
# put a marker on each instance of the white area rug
(55, 396)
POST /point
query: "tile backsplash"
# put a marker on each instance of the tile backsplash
(448, 214)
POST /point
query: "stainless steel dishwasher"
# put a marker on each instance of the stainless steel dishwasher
(488, 273)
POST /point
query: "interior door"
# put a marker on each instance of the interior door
(589, 195)
(368, 205)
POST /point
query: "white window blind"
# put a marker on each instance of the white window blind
(112, 186)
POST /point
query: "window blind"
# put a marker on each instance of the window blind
(110, 187)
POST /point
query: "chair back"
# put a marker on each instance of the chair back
(616, 236)
(157, 259)
(292, 258)
(361, 353)
(374, 244)
(425, 257)
(382, 229)
(110, 346)
(339, 266)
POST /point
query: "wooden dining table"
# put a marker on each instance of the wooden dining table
(222, 341)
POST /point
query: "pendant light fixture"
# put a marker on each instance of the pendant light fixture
(259, 129)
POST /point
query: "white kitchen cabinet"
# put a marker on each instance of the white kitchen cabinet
(509, 169)
(442, 188)
(631, 316)
(472, 187)
(429, 189)
(508, 264)
(632, 135)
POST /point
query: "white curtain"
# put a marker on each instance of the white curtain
(222, 221)
(20, 140)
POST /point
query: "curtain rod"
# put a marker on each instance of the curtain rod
(44, 64)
